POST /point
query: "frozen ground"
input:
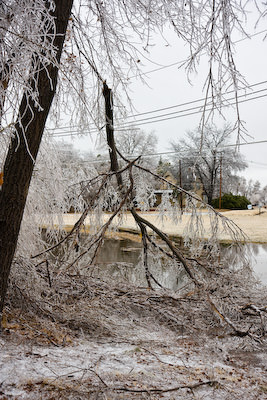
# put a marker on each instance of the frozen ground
(147, 365)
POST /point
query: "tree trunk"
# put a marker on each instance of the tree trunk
(24, 146)
(107, 93)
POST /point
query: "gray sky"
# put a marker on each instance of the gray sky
(169, 86)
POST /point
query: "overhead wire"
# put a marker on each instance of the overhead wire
(193, 101)
(181, 113)
(169, 107)
(178, 105)
(151, 119)
(159, 154)
(168, 116)
(182, 104)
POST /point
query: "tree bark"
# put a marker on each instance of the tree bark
(23, 150)
(107, 93)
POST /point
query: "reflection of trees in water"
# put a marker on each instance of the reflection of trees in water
(122, 260)
(258, 248)
(115, 250)
(235, 256)
(259, 260)
(255, 248)
(170, 278)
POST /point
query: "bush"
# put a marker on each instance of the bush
(231, 201)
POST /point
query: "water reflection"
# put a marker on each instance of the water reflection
(259, 260)
(122, 251)
(120, 259)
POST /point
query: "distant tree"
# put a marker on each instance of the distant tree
(240, 186)
(202, 156)
(163, 167)
(250, 189)
(264, 195)
(136, 142)
(256, 190)
(235, 184)
(256, 195)
(77, 169)
(130, 143)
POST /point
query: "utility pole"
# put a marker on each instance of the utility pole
(220, 195)
(180, 184)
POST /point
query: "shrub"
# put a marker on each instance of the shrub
(231, 201)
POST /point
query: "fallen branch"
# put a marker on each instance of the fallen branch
(165, 238)
(259, 311)
(81, 220)
(231, 225)
(223, 317)
(100, 236)
(168, 390)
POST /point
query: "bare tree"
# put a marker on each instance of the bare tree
(28, 131)
(204, 166)
(135, 142)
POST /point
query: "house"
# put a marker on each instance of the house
(164, 187)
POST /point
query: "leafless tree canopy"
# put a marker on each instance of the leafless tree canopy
(106, 40)
(204, 166)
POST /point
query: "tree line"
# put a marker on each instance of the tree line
(217, 167)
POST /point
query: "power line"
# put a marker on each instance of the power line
(155, 119)
(170, 107)
(151, 120)
(193, 101)
(165, 153)
(197, 107)
(246, 143)
(175, 106)
(257, 163)
(189, 114)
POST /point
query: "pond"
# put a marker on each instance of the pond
(259, 260)
(119, 259)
